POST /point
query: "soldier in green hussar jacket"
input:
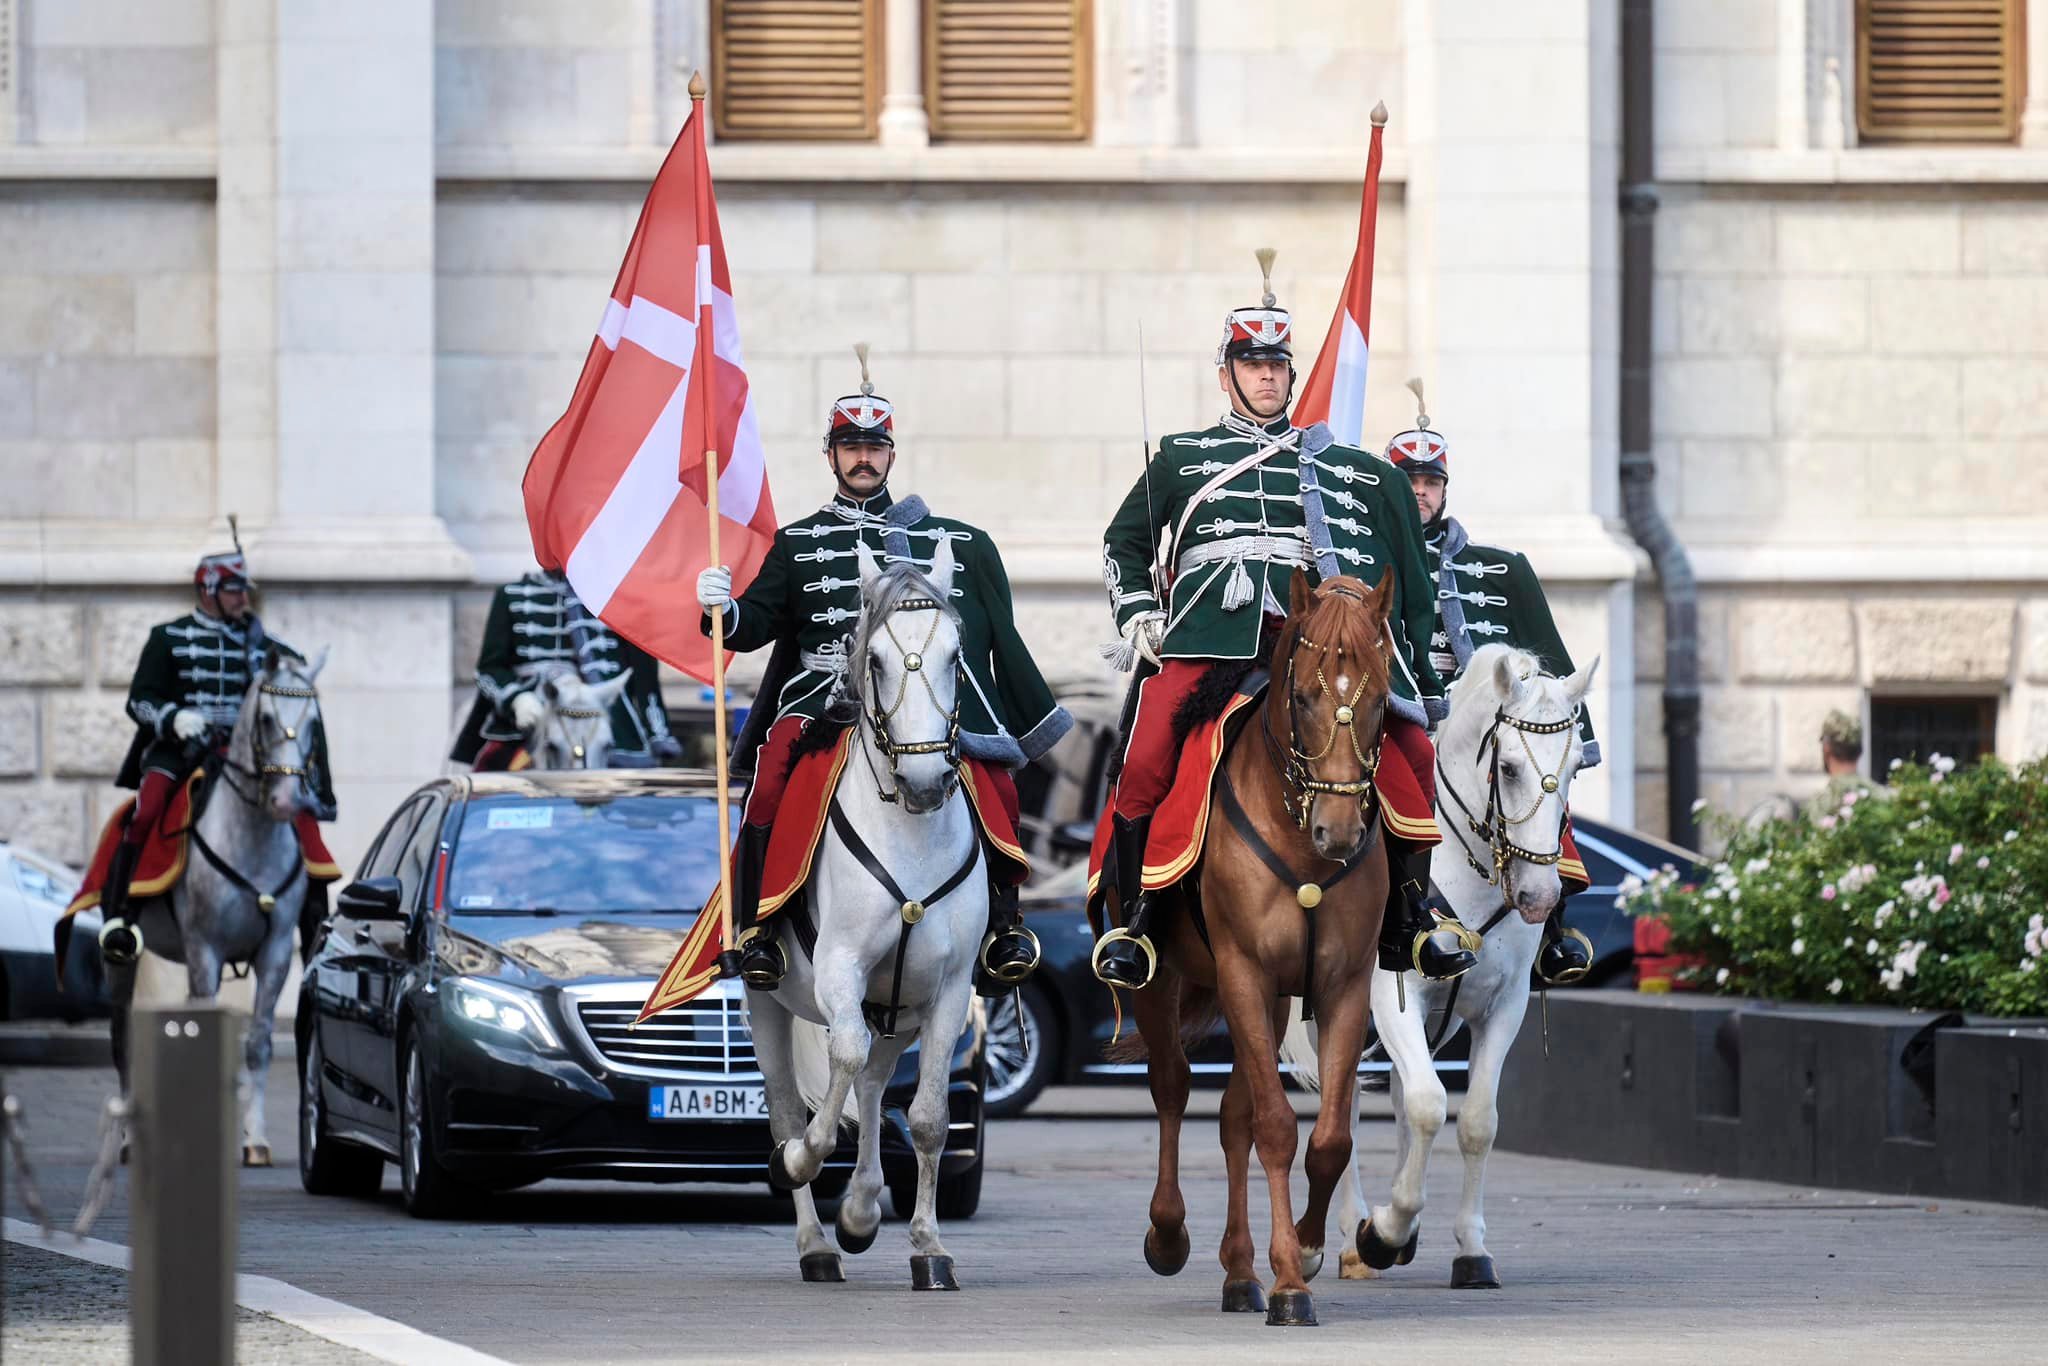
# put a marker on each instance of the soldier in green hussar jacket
(1486, 595)
(804, 601)
(1231, 514)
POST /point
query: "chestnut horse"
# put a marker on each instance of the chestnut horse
(1292, 886)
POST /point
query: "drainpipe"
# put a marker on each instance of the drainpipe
(1646, 522)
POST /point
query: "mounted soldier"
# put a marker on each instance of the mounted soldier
(1489, 596)
(1198, 561)
(187, 692)
(804, 601)
(538, 628)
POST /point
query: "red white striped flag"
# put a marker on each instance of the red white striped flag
(1335, 391)
(615, 492)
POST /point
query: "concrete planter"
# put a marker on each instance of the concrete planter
(1857, 1097)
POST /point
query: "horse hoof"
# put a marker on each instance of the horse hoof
(1474, 1273)
(1243, 1297)
(1352, 1267)
(255, 1154)
(1311, 1262)
(1379, 1254)
(852, 1243)
(1291, 1309)
(1166, 1256)
(822, 1268)
(932, 1273)
(778, 1171)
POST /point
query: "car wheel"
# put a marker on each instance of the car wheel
(328, 1166)
(1022, 1047)
(960, 1196)
(429, 1191)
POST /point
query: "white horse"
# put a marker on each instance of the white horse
(899, 895)
(245, 878)
(575, 727)
(1505, 759)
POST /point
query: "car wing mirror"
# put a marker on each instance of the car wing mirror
(373, 898)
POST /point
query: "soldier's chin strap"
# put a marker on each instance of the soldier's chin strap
(1251, 408)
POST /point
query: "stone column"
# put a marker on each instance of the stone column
(2034, 124)
(1794, 133)
(1514, 261)
(903, 122)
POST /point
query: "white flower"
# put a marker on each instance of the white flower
(1721, 977)
(1797, 920)
(1897, 764)
(1756, 865)
(1835, 987)
(2011, 835)
(1798, 947)
(1699, 804)
(1941, 763)
(1983, 861)
(1871, 948)
(1712, 894)
(1955, 854)
(1848, 941)
(1631, 884)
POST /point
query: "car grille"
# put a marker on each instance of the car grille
(706, 1037)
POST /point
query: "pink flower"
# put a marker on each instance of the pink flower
(1955, 854)
(1942, 896)
(1827, 893)
(1827, 822)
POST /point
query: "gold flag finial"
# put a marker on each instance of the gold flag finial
(1266, 255)
(697, 87)
(1379, 114)
(867, 386)
(1421, 412)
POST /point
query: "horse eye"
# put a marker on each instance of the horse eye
(1511, 771)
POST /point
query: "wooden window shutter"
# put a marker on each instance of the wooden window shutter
(1008, 70)
(796, 69)
(1940, 70)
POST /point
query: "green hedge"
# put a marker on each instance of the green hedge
(1930, 892)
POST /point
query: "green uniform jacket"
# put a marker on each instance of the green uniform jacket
(807, 591)
(1237, 552)
(1490, 596)
(538, 622)
(203, 663)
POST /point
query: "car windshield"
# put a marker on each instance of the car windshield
(564, 854)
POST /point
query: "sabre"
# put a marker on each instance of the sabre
(1159, 573)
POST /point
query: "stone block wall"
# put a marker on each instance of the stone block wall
(116, 72)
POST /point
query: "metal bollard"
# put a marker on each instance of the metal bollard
(181, 1283)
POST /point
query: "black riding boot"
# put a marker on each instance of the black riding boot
(1419, 931)
(1126, 957)
(1009, 951)
(757, 957)
(1566, 955)
(120, 941)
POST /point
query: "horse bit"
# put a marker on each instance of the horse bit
(878, 719)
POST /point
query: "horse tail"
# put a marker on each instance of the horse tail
(811, 1060)
(1200, 1009)
(1298, 1049)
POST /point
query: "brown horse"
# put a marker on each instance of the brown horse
(1292, 887)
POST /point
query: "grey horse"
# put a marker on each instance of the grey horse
(245, 877)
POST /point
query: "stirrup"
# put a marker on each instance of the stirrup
(120, 942)
(1578, 964)
(1468, 943)
(1143, 944)
(762, 961)
(1012, 974)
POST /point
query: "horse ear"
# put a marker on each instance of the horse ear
(609, 691)
(319, 663)
(1382, 604)
(1507, 676)
(270, 658)
(1299, 594)
(870, 566)
(943, 565)
(1575, 687)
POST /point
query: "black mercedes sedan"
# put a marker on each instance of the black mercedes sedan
(468, 1010)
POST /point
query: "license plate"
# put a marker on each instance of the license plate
(707, 1102)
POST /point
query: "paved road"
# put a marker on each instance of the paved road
(1602, 1263)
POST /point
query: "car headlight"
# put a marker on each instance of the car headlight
(500, 1009)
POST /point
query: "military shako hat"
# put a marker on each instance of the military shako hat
(865, 417)
(1421, 450)
(1262, 333)
(227, 568)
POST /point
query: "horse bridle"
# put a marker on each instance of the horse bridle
(878, 719)
(302, 770)
(577, 751)
(1300, 786)
(1495, 825)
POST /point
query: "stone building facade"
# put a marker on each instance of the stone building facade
(335, 267)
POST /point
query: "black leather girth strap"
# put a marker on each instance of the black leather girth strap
(1241, 822)
(884, 1017)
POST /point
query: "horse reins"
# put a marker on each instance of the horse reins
(878, 719)
(912, 908)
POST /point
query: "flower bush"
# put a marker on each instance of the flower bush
(1931, 893)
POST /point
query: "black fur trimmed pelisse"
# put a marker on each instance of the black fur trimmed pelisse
(819, 737)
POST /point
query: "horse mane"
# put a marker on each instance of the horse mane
(1337, 621)
(1473, 695)
(879, 597)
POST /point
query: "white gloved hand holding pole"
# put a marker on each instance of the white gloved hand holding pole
(526, 711)
(188, 724)
(1147, 632)
(714, 588)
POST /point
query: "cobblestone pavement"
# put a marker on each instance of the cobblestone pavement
(1603, 1264)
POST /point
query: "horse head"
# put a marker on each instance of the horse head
(1328, 706)
(277, 734)
(904, 669)
(1510, 748)
(575, 729)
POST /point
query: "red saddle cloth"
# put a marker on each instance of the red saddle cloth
(793, 843)
(1181, 823)
(162, 861)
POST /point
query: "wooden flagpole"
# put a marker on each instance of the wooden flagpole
(722, 759)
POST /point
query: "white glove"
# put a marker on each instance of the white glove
(714, 588)
(188, 724)
(526, 710)
(1147, 632)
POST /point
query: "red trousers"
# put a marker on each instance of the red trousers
(1150, 759)
(150, 800)
(771, 775)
